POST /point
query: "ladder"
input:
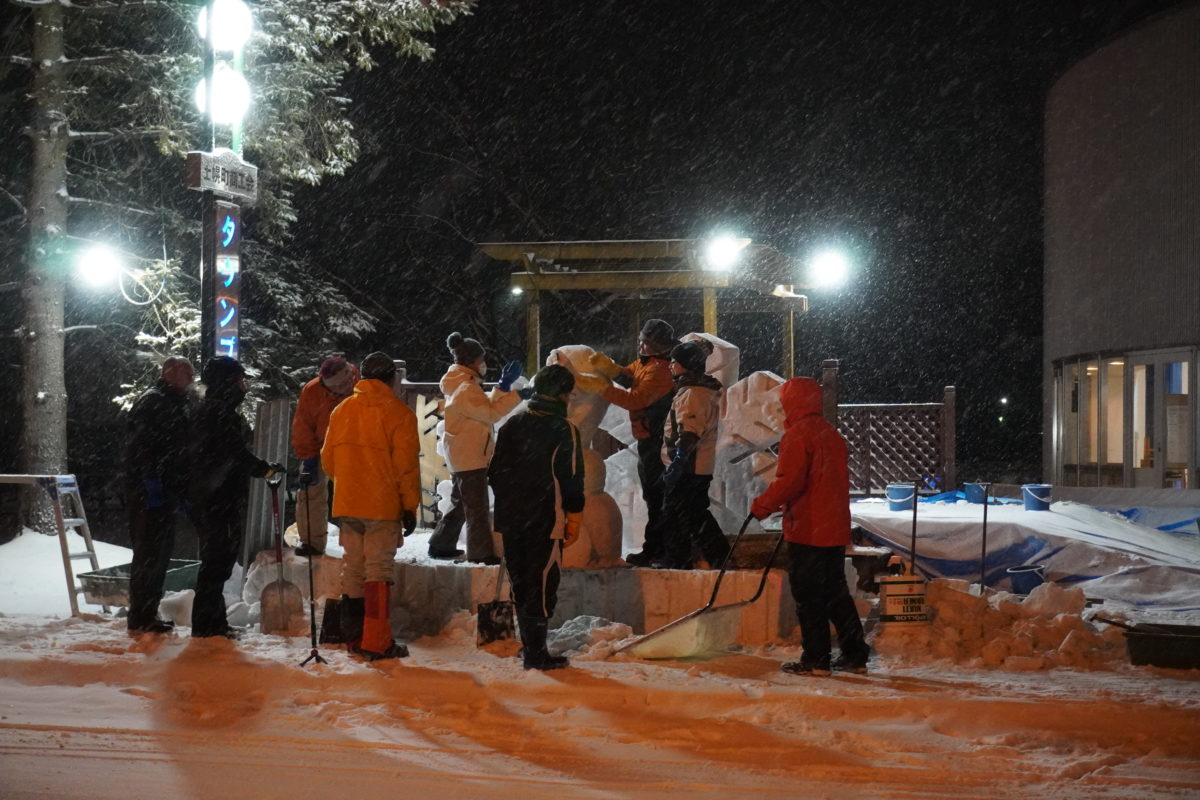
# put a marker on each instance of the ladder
(60, 487)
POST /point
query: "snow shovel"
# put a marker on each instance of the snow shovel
(314, 654)
(495, 621)
(281, 598)
(708, 629)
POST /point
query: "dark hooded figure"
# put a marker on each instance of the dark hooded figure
(221, 466)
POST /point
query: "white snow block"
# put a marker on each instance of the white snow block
(752, 422)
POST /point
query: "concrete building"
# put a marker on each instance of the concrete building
(1122, 260)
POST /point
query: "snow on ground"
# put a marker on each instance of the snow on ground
(87, 712)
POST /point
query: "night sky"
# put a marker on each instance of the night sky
(908, 133)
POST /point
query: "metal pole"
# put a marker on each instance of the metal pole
(710, 311)
(208, 234)
(912, 549)
(987, 491)
(533, 323)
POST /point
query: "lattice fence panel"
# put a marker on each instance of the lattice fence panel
(893, 444)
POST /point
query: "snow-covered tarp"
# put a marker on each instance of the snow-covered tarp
(1106, 554)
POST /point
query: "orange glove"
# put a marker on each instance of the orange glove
(571, 529)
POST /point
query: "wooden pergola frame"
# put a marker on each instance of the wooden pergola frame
(635, 266)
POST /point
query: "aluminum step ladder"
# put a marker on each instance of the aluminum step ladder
(60, 488)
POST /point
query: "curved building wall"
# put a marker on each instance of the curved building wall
(1122, 230)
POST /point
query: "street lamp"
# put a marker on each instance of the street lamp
(233, 27)
(98, 266)
(230, 95)
(828, 268)
(721, 252)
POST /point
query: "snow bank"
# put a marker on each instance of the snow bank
(1000, 630)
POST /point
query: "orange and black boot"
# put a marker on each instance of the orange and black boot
(377, 642)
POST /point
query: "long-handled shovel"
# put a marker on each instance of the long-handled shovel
(313, 654)
(708, 629)
(495, 619)
(281, 598)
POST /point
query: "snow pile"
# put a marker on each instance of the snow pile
(1046, 630)
(588, 638)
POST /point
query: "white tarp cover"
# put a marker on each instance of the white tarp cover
(1108, 556)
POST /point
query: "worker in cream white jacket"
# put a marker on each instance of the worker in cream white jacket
(470, 417)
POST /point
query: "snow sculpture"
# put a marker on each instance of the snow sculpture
(599, 542)
(751, 423)
(601, 536)
(725, 360)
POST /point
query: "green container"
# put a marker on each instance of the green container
(110, 586)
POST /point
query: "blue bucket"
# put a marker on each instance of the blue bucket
(1026, 578)
(900, 496)
(1037, 496)
(975, 492)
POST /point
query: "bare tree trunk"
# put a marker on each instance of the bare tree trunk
(43, 390)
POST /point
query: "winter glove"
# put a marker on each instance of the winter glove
(509, 374)
(759, 509)
(308, 472)
(410, 521)
(587, 382)
(571, 529)
(675, 471)
(156, 495)
(605, 365)
(527, 393)
(274, 470)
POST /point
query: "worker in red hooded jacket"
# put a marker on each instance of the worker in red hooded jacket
(812, 487)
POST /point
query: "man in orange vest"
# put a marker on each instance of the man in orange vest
(319, 397)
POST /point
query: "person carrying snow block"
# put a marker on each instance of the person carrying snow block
(155, 485)
(648, 399)
(689, 454)
(371, 452)
(221, 466)
(334, 382)
(537, 477)
(470, 414)
(812, 487)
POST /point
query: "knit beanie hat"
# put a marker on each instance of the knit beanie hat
(464, 351)
(553, 380)
(658, 332)
(221, 373)
(378, 366)
(332, 366)
(692, 355)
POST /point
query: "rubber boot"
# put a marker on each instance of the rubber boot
(533, 637)
(352, 610)
(377, 642)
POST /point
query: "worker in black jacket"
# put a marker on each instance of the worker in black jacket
(155, 484)
(536, 470)
(221, 466)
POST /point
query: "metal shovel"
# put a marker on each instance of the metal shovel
(709, 629)
(281, 598)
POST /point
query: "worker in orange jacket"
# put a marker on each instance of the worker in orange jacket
(372, 454)
(334, 382)
(648, 400)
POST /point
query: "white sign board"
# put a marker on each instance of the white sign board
(224, 174)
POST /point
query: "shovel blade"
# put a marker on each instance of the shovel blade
(495, 623)
(704, 634)
(280, 600)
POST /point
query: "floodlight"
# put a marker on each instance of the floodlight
(98, 266)
(829, 268)
(233, 25)
(231, 96)
(722, 252)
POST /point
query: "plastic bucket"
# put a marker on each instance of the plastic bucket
(1026, 578)
(975, 492)
(1036, 496)
(900, 496)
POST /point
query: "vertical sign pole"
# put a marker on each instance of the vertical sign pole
(208, 259)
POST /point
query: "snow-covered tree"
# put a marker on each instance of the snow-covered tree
(107, 96)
